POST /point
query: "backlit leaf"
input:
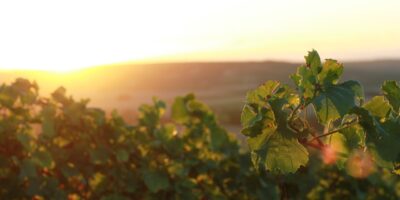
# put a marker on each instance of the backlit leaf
(336, 101)
(391, 90)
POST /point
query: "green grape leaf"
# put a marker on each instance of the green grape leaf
(305, 80)
(345, 142)
(257, 108)
(330, 73)
(254, 119)
(59, 95)
(336, 143)
(99, 155)
(150, 115)
(258, 142)
(336, 101)
(165, 133)
(155, 180)
(249, 117)
(378, 106)
(98, 115)
(383, 138)
(25, 90)
(259, 95)
(122, 155)
(354, 137)
(6, 99)
(369, 122)
(178, 169)
(386, 149)
(26, 140)
(68, 170)
(48, 123)
(28, 169)
(279, 153)
(313, 61)
(356, 88)
(274, 146)
(218, 137)
(391, 90)
(194, 106)
(42, 159)
(180, 113)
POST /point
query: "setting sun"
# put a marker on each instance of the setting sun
(72, 35)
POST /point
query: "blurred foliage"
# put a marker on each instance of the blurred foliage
(59, 148)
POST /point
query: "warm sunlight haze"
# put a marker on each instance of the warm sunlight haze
(209, 99)
(46, 35)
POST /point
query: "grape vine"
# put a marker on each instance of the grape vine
(280, 135)
(60, 148)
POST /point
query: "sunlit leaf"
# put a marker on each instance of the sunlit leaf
(330, 73)
(378, 106)
(259, 95)
(391, 91)
(314, 61)
(336, 101)
(280, 154)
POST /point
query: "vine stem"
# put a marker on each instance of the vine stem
(318, 145)
(294, 112)
(291, 118)
(334, 131)
(316, 138)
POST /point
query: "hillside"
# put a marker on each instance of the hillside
(223, 86)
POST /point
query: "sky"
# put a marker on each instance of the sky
(68, 35)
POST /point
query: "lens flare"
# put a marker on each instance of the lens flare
(360, 164)
(329, 155)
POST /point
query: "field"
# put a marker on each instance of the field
(222, 86)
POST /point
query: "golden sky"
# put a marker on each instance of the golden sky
(51, 35)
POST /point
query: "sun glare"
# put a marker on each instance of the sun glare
(48, 35)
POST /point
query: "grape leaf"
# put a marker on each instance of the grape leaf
(179, 110)
(279, 153)
(122, 155)
(259, 95)
(305, 80)
(330, 73)
(249, 117)
(391, 90)
(155, 180)
(336, 100)
(345, 141)
(218, 137)
(313, 61)
(273, 146)
(25, 139)
(28, 169)
(386, 148)
(99, 155)
(48, 123)
(42, 159)
(378, 106)
(383, 138)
